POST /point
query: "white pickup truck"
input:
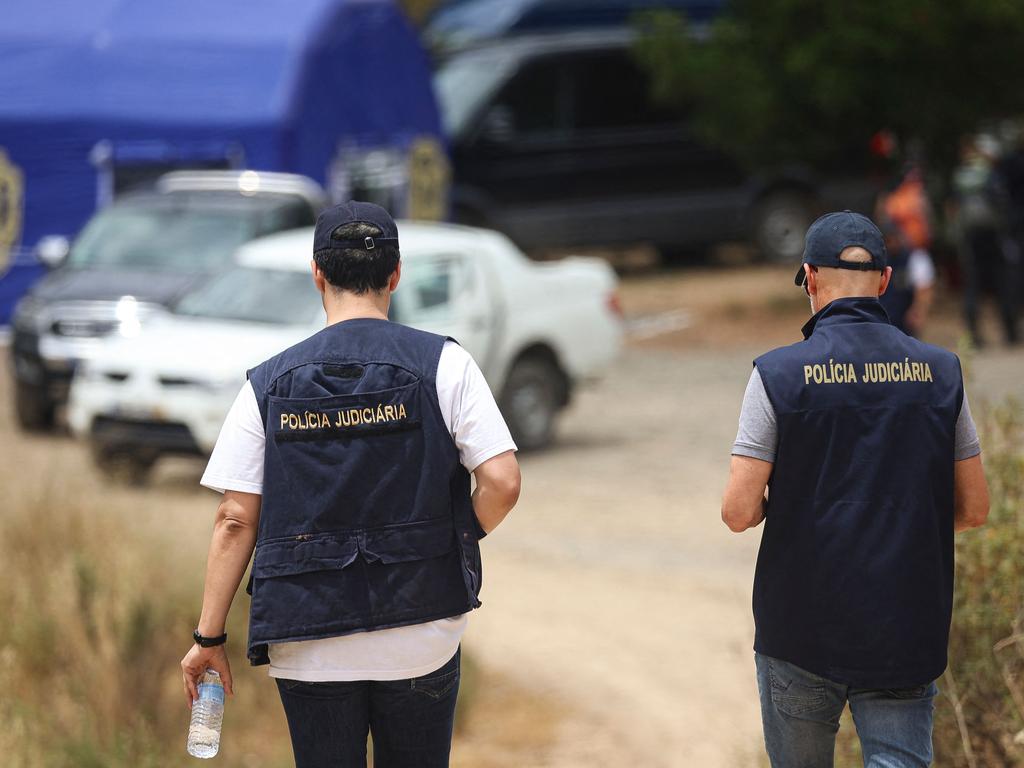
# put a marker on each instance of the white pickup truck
(537, 330)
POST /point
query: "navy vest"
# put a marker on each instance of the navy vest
(366, 520)
(854, 578)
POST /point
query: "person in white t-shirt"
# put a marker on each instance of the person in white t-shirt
(399, 682)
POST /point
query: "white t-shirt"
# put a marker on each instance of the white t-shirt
(480, 433)
(920, 269)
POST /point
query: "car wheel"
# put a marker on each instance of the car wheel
(123, 465)
(780, 223)
(530, 402)
(34, 409)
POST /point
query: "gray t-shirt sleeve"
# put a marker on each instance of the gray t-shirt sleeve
(967, 444)
(758, 435)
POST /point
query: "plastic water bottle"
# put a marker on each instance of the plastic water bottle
(207, 717)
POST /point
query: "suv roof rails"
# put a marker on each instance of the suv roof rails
(246, 182)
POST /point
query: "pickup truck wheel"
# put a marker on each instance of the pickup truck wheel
(530, 402)
(123, 466)
(780, 223)
(33, 408)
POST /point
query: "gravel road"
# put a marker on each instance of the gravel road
(613, 590)
(614, 584)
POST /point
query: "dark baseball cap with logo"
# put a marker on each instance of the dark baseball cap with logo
(353, 212)
(832, 233)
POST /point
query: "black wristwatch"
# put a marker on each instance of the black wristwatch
(208, 642)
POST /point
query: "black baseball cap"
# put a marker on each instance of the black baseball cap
(353, 212)
(832, 233)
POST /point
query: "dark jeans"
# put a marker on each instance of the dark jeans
(991, 262)
(800, 712)
(411, 720)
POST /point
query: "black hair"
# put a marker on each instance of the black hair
(356, 269)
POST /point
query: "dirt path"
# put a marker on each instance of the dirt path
(616, 604)
(614, 584)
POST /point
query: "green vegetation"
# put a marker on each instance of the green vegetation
(778, 80)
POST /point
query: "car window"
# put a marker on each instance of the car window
(609, 91)
(291, 215)
(463, 85)
(429, 287)
(533, 101)
(161, 237)
(248, 294)
(458, 23)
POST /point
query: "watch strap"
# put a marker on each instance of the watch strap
(208, 642)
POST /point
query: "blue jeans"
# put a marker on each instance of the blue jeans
(800, 713)
(411, 720)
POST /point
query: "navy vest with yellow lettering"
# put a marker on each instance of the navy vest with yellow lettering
(854, 577)
(366, 520)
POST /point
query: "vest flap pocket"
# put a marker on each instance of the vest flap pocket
(288, 557)
(413, 541)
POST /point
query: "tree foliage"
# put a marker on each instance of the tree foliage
(777, 80)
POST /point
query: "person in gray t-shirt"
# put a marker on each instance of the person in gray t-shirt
(857, 452)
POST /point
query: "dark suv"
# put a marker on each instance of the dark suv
(556, 141)
(458, 24)
(134, 258)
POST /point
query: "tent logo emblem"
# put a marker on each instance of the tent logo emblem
(11, 199)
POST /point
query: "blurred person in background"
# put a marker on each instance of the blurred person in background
(1010, 171)
(988, 257)
(911, 291)
(864, 442)
(345, 464)
(904, 214)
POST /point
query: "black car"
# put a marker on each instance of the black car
(557, 141)
(458, 23)
(134, 258)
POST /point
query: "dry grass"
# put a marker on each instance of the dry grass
(98, 608)
(100, 591)
(980, 720)
(979, 716)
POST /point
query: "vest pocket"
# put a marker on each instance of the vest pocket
(307, 553)
(405, 543)
(327, 584)
(288, 557)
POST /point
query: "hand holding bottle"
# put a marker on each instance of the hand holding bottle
(195, 664)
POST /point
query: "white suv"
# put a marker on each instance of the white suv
(536, 330)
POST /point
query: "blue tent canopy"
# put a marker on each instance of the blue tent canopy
(268, 84)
